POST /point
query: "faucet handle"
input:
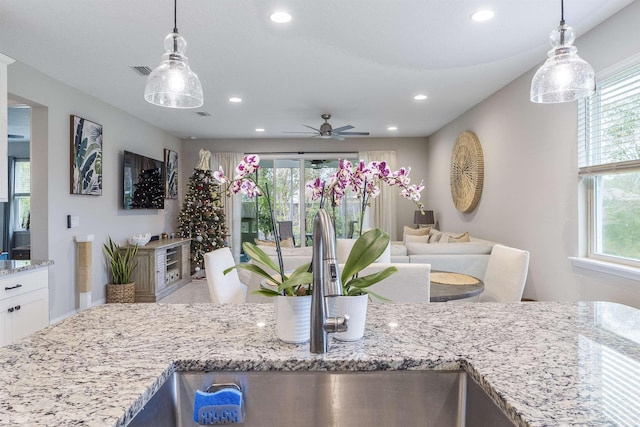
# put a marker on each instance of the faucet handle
(337, 324)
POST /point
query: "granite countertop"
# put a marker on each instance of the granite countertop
(543, 363)
(16, 266)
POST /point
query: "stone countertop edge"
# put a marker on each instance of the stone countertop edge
(540, 362)
(16, 266)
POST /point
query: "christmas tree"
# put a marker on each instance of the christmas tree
(202, 217)
(149, 193)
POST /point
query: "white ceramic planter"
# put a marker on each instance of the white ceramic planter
(293, 318)
(356, 308)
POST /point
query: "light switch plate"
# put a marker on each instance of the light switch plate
(75, 221)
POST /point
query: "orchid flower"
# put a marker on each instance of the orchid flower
(364, 180)
(243, 182)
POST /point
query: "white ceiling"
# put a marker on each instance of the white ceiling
(360, 60)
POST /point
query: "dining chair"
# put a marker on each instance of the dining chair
(506, 275)
(285, 230)
(223, 288)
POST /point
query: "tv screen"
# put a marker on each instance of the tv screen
(143, 180)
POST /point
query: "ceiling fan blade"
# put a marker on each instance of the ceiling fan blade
(286, 131)
(337, 137)
(340, 129)
(354, 133)
(317, 130)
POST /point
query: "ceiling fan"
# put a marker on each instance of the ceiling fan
(326, 131)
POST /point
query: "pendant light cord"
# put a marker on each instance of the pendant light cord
(562, 29)
(175, 16)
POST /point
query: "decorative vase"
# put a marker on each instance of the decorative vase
(356, 308)
(125, 293)
(293, 318)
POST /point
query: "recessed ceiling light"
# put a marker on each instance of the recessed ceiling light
(259, 129)
(420, 97)
(280, 17)
(392, 128)
(482, 15)
(235, 99)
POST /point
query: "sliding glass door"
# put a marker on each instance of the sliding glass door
(285, 176)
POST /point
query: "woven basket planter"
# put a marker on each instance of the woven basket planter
(121, 293)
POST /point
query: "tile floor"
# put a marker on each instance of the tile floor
(195, 291)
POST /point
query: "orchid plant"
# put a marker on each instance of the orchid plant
(296, 283)
(364, 180)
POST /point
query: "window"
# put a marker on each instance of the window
(286, 176)
(609, 164)
(21, 194)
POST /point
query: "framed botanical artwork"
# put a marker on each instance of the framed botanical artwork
(86, 157)
(170, 174)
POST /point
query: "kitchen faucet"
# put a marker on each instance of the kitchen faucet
(326, 283)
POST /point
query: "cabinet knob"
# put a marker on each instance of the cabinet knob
(17, 307)
(8, 288)
(10, 310)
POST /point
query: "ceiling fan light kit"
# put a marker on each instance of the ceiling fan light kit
(326, 131)
(564, 76)
(173, 84)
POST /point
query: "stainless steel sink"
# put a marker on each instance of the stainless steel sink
(320, 398)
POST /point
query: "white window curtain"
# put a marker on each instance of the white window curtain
(233, 204)
(382, 212)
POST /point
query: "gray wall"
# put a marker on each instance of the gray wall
(531, 198)
(102, 216)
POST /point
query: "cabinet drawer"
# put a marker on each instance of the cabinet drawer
(22, 282)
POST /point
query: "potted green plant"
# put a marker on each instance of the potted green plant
(121, 263)
(355, 288)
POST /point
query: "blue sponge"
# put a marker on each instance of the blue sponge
(222, 407)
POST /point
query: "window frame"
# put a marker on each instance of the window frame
(588, 187)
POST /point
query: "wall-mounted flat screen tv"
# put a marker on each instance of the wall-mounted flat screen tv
(143, 182)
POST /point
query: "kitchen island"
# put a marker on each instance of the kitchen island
(543, 363)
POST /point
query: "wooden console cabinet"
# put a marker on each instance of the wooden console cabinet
(163, 267)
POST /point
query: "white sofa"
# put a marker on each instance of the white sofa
(460, 257)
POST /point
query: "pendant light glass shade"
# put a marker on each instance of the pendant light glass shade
(172, 84)
(564, 76)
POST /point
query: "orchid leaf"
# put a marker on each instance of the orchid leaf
(258, 255)
(368, 248)
(254, 268)
(370, 279)
(266, 292)
(296, 280)
(373, 294)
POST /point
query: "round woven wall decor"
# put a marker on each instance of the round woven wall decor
(467, 172)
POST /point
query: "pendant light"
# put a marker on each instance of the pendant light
(564, 76)
(172, 84)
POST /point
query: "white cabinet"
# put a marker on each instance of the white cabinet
(24, 304)
(4, 169)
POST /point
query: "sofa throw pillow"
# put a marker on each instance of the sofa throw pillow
(461, 238)
(435, 236)
(260, 242)
(417, 239)
(284, 243)
(408, 231)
